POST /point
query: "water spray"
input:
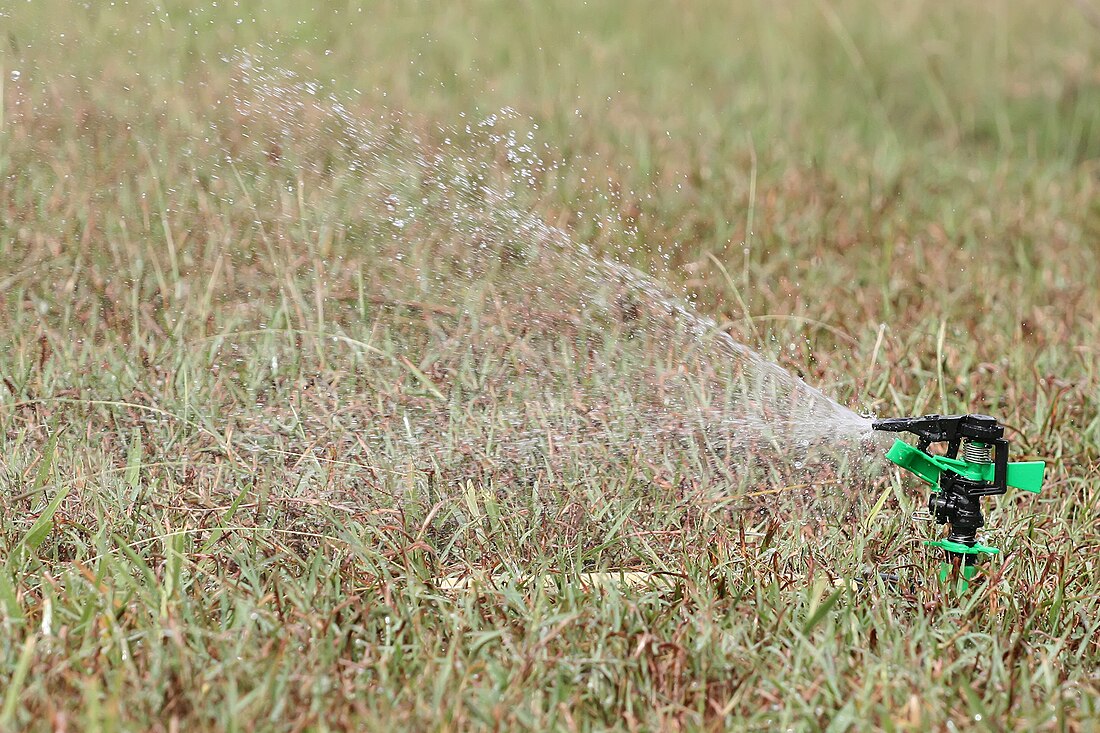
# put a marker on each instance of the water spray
(958, 484)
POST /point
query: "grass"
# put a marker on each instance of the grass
(210, 519)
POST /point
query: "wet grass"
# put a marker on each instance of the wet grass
(206, 366)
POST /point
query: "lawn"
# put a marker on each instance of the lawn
(330, 400)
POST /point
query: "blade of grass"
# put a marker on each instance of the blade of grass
(15, 688)
(822, 610)
(225, 520)
(9, 597)
(42, 526)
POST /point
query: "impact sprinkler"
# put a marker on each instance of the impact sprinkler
(958, 484)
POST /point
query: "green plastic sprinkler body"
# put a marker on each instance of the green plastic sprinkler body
(958, 484)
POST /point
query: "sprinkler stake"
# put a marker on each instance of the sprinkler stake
(958, 484)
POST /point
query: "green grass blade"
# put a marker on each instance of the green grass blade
(225, 520)
(133, 462)
(822, 610)
(42, 526)
(15, 688)
(9, 597)
(45, 468)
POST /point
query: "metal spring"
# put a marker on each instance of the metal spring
(975, 452)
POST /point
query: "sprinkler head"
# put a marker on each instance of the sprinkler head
(958, 484)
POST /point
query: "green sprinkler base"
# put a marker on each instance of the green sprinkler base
(964, 573)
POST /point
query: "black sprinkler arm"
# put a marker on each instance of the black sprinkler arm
(952, 429)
